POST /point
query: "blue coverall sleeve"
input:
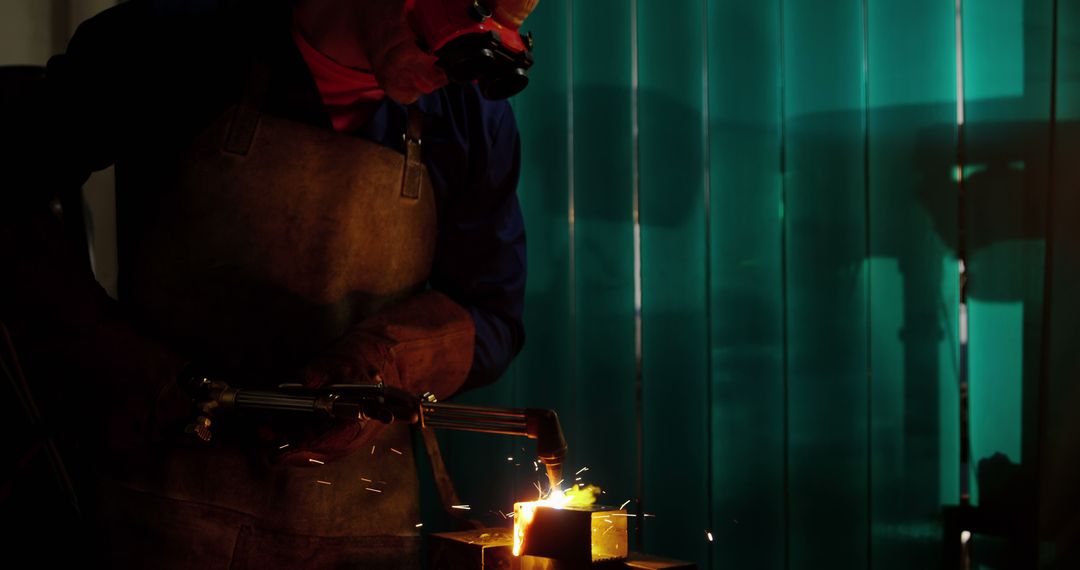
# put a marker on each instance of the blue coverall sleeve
(480, 256)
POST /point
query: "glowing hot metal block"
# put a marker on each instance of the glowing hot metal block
(490, 549)
(635, 562)
(573, 534)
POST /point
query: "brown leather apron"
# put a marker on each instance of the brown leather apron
(272, 239)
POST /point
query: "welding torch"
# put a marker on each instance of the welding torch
(363, 402)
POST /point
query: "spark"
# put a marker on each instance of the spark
(316, 461)
(372, 490)
(418, 525)
(535, 466)
(365, 479)
(580, 471)
(321, 482)
(559, 484)
(396, 451)
(509, 458)
(623, 506)
(538, 487)
(577, 479)
(373, 450)
(607, 530)
(647, 515)
(462, 507)
(708, 534)
(623, 515)
(283, 446)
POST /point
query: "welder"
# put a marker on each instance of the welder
(304, 195)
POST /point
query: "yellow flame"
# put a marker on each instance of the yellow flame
(576, 496)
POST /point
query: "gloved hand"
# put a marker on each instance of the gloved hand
(402, 69)
(405, 72)
(423, 344)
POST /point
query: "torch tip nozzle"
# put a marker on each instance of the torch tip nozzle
(554, 473)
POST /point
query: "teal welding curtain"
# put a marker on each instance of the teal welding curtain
(745, 225)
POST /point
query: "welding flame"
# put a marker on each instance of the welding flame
(576, 496)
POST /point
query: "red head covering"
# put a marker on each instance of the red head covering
(348, 93)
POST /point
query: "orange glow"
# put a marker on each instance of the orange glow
(576, 496)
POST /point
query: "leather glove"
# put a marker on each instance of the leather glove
(423, 344)
(402, 69)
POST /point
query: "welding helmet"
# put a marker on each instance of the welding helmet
(477, 40)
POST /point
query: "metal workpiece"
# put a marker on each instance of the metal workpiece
(572, 534)
(492, 549)
(636, 561)
(480, 549)
(646, 562)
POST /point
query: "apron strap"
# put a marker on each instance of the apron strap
(246, 117)
(413, 176)
(246, 120)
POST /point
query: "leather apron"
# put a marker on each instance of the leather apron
(271, 239)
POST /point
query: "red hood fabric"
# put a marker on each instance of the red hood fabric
(349, 94)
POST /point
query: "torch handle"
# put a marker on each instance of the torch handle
(275, 401)
(387, 405)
